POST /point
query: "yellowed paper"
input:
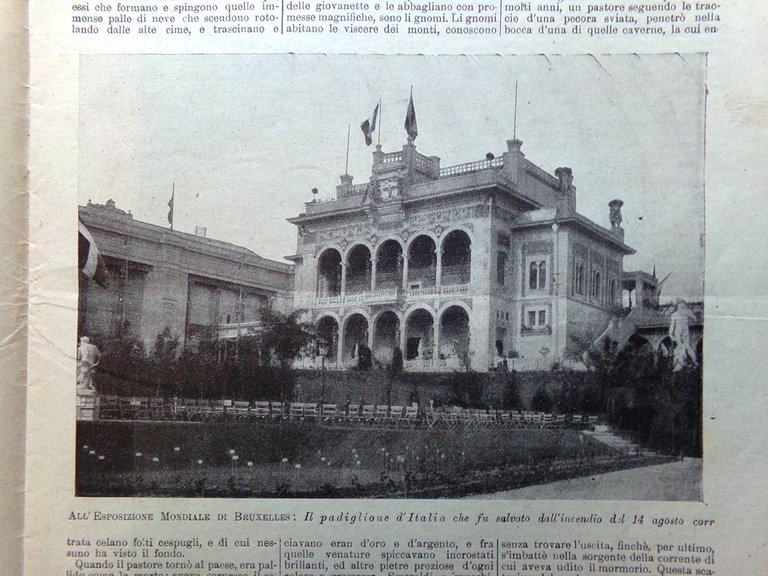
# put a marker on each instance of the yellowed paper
(233, 129)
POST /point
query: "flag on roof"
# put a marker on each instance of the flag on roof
(411, 127)
(369, 125)
(88, 257)
(170, 206)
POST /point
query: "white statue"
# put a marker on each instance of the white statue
(679, 332)
(88, 356)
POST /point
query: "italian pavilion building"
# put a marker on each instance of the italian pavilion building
(458, 266)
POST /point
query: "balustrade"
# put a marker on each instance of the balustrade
(469, 167)
(392, 157)
(391, 295)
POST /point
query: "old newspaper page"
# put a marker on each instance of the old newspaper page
(13, 235)
(395, 287)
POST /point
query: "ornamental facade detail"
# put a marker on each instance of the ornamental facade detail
(454, 268)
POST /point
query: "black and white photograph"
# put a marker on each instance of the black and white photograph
(361, 276)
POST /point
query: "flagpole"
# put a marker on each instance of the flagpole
(378, 133)
(346, 164)
(514, 129)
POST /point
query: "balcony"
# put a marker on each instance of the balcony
(390, 296)
(382, 296)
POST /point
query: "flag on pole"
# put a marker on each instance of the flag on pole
(411, 127)
(369, 125)
(88, 258)
(170, 207)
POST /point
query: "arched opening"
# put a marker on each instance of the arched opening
(638, 345)
(328, 338)
(537, 274)
(358, 270)
(329, 274)
(419, 335)
(386, 337)
(629, 298)
(456, 260)
(422, 263)
(355, 337)
(454, 337)
(389, 265)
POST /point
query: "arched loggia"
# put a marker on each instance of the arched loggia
(389, 265)
(456, 261)
(329, 273)
(355, 336)
(386, 337)
(358, 277)
(419, 335)
(328, 338)
(422, 262)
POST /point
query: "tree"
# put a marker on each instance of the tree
(511, 399)
(282, 338)
(123, 368)
(466, 389)
(163, 362)
(284, 335)
(397, 360)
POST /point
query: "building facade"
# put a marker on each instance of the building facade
(159, 278)
(456, 267)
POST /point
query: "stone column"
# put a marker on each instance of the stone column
(403, 330)
(340, 347)
(343, 290)
(439, 267)
(374, 259)
(436, 338)
(405, 268)
(370, 338)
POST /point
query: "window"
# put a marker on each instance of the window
(501, 267)
(596, 287)
(578, 278)
(537, 274)
(612, 290)
(535, 319)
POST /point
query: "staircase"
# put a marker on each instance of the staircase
(605, 435)
(619, 331)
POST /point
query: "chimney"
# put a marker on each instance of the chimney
(513, 159)
(566, 204)
(614, 216)
(201, 231)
